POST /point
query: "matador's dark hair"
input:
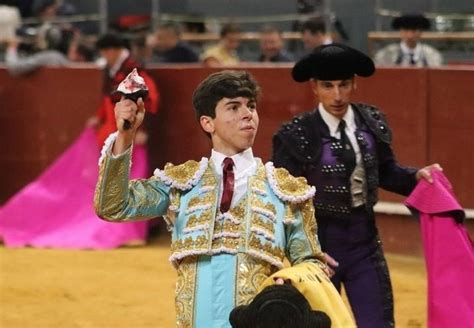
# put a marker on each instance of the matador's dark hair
(224, 84)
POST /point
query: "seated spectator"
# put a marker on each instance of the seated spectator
(410, 51)
(314, 34)
(168, 47)
(10, 20)
(56, 42)
(81, 52)
(45, 10)
(224, 53)
(272, 46)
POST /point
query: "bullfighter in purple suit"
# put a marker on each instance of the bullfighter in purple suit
(344, 149)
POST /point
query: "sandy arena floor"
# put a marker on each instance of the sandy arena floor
(133, 288)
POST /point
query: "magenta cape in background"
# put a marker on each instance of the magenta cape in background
(56, 210)
(449, 254)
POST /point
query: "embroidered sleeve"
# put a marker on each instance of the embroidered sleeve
(118, 199)
(302, 234)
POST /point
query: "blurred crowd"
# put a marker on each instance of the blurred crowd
(46, 42)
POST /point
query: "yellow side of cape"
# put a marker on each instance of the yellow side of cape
(321, 294)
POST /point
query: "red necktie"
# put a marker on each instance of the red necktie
(228, 176)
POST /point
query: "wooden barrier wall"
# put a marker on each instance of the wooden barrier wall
(41, 115)
(430, 112)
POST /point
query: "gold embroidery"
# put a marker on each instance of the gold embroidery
(231, 244)
(289, 212)
(190, 244)
(185, 292)
(99, 187)
(261, 223)
(226, 226)
(182, 173)
(289, 185)
(175, 197)
(267, 248)
(259, 184)
(112, 188)
(251, 272)
(209, 177)
(203, 218)
(298, 249)
(310, 228)
(206, 216)
(257, 202)
(238, 211)
(201, 200)
(260, 174)
(227, 229)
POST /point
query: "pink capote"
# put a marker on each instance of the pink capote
(56, 210)
(449, 254)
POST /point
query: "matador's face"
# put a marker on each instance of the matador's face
(334, 95)
(235, 125)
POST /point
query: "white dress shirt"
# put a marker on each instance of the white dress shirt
(416, 52)
(333, 123)
(244, 166)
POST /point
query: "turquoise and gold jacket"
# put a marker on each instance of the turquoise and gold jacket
(273, 220)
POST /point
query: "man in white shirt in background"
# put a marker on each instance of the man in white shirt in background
(410, 52)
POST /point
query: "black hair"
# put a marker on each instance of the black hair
(39, 6)
(176, 28)
(86, 52)
(58, 39)
(314, 25)
(223, 84)
(270, 29)
(111, 41)
(229, 28)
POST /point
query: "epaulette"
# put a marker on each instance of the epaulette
(287, 187)
(183, 176)
(298, 137)
(376, 121)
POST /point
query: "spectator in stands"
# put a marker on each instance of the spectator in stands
(57, 43)
(81, 52)
(168, 47)
(113, 49)
(45, 10)
(224, 53)
(10, 20)
(314, 34)
(410, 51)
(272, 46)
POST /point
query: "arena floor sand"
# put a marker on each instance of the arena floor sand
(133, 288)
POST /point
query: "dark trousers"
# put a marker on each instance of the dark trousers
(363, 271)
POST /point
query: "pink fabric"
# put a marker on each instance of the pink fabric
(56, 210)
(449, 254)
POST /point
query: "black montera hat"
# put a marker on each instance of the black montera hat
(333, 62)
(278, 306)
(411, 21)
